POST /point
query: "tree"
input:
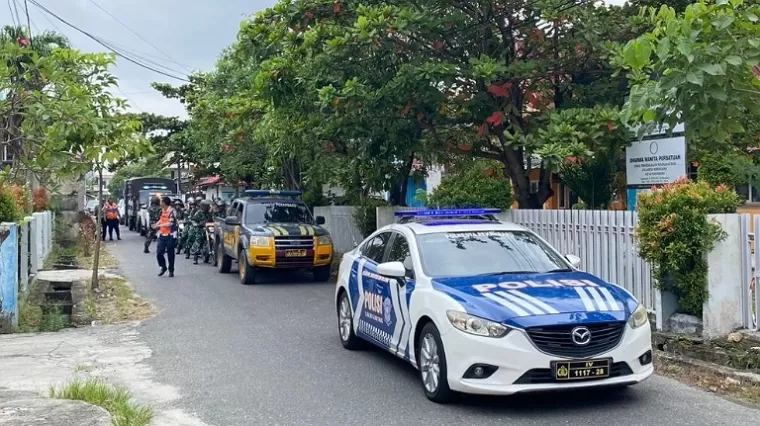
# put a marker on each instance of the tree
(593, 176)
(402, 80)
(699, 67)
(478, 183)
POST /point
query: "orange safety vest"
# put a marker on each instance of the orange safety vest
(112, 211)
(164, 219)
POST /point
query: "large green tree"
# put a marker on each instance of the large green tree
(398, 81)
(700, 68)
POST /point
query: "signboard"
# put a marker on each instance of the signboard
(655, 161)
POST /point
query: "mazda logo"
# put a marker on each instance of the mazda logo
(581, 336)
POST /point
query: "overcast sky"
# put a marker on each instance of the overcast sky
(189, 35)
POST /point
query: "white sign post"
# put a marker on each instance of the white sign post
(655, 161)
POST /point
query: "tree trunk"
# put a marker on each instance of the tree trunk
(401, 186)
(526, 199)
(96, 255)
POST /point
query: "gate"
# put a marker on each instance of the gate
(750, 260)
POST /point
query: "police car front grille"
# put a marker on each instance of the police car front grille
(293, 242)
(556, 340)
(538, 376)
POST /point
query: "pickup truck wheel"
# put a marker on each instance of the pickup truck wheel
(247, 272)
(321, 273)
(223, 262)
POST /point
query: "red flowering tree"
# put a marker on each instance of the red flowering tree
(402, 80)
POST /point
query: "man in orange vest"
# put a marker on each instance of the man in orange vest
(166, 227)
(111, 213)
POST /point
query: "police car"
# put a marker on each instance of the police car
(487, 307)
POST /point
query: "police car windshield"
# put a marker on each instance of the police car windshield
(282, 212)
(460, 254)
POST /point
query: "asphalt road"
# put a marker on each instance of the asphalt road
(269, 354)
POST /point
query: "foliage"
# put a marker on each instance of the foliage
(365, 215)
(9, 208)
(699, 67)
(21, 197)
(478, 183)
(116, 400)
(149, 166)
(40, 199)
(726, 168)
(675, 236)
(357, 93)
(592, 175)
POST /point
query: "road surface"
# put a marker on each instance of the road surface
(269, 354)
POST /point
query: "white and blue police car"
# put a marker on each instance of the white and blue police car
(487, 307)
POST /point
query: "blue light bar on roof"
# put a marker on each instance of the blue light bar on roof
(272, 193)
(447, 212)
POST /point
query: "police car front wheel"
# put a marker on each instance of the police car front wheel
(432, 365)
(348, 338)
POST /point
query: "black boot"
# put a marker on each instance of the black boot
(145, 248)
(195, 259)
(171, 274)
(162, 271)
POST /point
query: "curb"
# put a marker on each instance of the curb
(718, 369)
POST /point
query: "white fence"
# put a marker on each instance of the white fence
(339, 220)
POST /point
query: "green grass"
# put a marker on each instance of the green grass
(116, 400)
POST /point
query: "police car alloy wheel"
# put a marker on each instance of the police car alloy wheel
(346, 324)
(432, 365)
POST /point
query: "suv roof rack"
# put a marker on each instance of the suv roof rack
(439, 216)
(272, 193)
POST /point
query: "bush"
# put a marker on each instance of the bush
(21, 197)
(675, 236)
(475, 184)
(40, 200)
(365, 215)
(9, 211)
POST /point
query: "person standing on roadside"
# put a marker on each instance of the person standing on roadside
(154, 213)
(111, 211)
(166, 228)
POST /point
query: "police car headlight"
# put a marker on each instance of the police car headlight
(639, 317)
(259, 241)
(475, 325)
(324, 240)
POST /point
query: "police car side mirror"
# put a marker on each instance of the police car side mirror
(232, 220)
(320, 220)
(392, 270)
(574, 260)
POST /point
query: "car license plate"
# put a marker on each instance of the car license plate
(295, 253)
(581, 370)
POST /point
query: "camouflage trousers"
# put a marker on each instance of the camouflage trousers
(198, 240)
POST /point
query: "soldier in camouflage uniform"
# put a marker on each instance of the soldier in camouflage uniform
(199, 219)
(154, 213)
(179, 211)
(221, 208)
(187, 235)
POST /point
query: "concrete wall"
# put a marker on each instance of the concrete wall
(8, 275)
(722, 313)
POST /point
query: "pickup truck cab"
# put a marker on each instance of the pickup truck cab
(272, 230)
